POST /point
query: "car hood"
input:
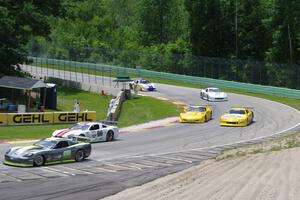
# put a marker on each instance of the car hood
(233, 117)
(217, 94)
(21, 150)
(148, 85)
(192, 115)
(66, 132)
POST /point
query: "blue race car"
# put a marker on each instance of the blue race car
(48, 151)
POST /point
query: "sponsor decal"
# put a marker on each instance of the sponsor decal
(3, 119)
(30, 118)
(46, 118)
(67, 154)
(74, 117)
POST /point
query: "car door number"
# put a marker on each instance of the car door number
(99, 133)
(67, 154)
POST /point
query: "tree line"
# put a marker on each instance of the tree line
(254, 41)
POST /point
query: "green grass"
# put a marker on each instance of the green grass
(135, 111)
(295, 103)
(88, 101)
(145, 109)
(28, 132)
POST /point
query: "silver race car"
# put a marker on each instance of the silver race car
(213, 94)
(47, 151)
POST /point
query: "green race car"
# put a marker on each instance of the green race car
(48, 151)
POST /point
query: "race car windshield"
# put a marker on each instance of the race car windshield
(80, 127)
(242, 112)
(193, 109)
(214, 90)
(144, 81)
(46, 143)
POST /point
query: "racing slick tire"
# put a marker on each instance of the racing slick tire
(110, 136)
(79, 156)
(38, 160)
(206, 118)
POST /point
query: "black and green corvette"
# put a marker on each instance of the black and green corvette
(48, 151)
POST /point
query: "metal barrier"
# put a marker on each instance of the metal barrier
(115, 70)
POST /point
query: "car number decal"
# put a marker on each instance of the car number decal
(67, 154)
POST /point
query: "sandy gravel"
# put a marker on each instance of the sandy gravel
(267, 176)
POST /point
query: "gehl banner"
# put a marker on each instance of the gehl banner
(45, 118)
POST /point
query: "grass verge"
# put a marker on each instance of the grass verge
(277, 144)
(144, 109)
(135, 111)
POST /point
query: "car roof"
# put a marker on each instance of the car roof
(212, 88)
(238, 108)
(88, 123)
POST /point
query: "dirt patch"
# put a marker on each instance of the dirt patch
(258, 171)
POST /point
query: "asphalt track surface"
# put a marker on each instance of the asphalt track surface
(139, 157)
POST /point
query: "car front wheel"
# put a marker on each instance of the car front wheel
(109, 136)
(79, 156)
(38, 160)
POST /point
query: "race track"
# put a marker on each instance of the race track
(139, 157)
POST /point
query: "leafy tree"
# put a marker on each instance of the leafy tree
(284, 48)
(162, 21)
(19, 20)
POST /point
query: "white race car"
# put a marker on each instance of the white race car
(143, 85)
(90, 131)
(213, 94)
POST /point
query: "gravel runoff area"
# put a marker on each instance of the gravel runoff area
(265, 176)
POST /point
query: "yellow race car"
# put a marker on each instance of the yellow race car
(196, 114)
(237, 116)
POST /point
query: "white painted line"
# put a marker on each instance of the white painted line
(131, 165)
(76, 171)
(104, 169)
(178, 159)
(117, 166)
(49, 172)
(155, 163)
(7, 178)
(60, 171)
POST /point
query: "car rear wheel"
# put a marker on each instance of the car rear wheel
(38, 160)
(109, 136)
(79, 156)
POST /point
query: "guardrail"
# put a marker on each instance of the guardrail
(246, 87)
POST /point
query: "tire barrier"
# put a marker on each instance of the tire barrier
(115, 106)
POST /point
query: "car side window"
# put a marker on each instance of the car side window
(95, 127)
(104, 126)
(62, 144)
(206, 90)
